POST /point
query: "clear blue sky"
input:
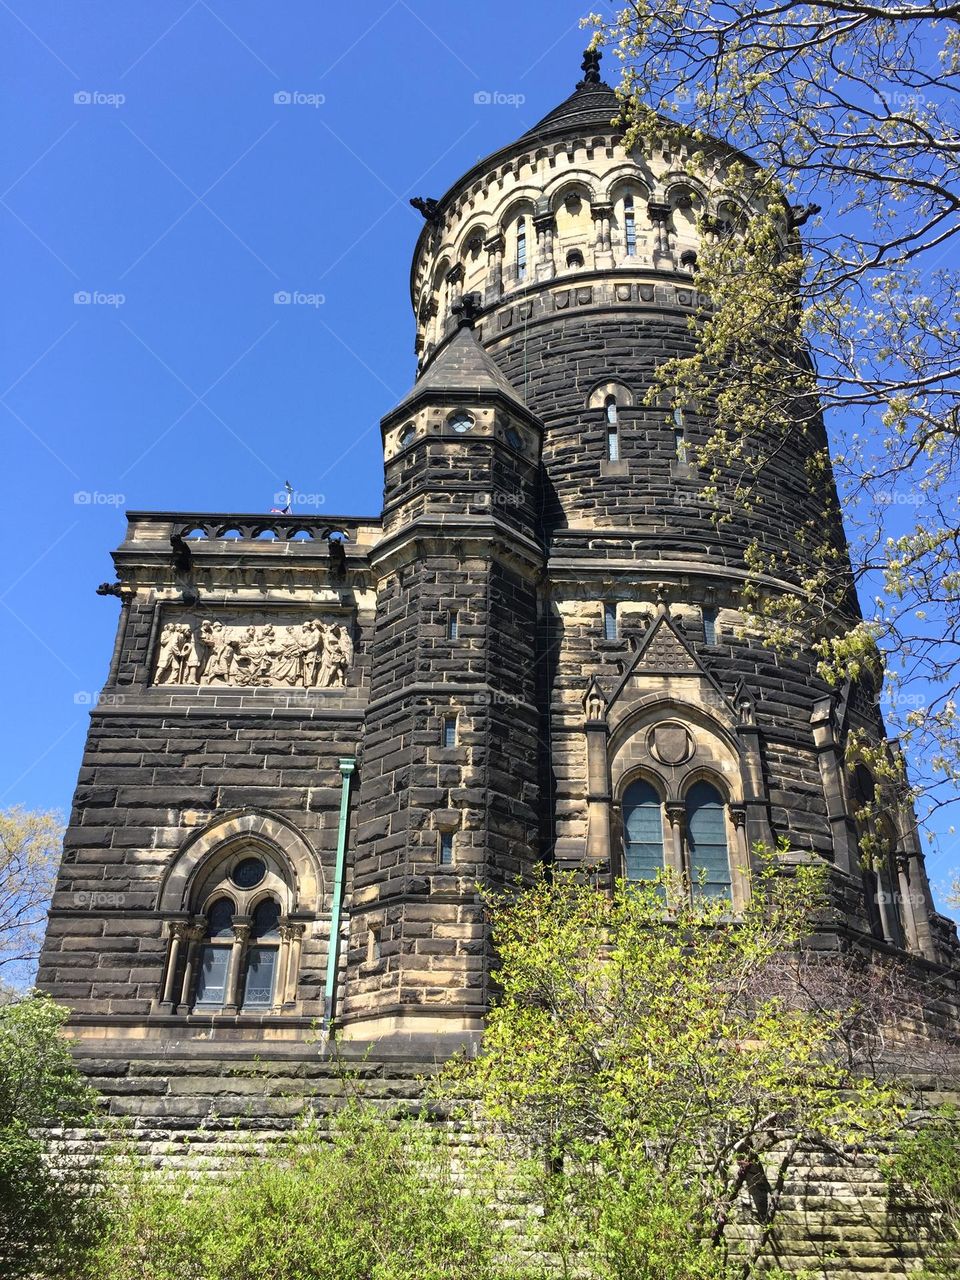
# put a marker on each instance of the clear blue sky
(146, 164)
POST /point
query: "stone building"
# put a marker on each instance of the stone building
(318, 735)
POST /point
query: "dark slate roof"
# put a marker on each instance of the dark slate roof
(591, 105)
(462, 365)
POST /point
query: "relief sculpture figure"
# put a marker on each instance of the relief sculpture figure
(313, 654)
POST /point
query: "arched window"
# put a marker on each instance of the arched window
(575, 259)
(708, 858)
(629, 226)
(642, 832)
(261, 959)
(613, 429)
(521, 248)
(215, 954)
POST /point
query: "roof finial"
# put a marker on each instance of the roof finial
(590, 67)
(467, 310)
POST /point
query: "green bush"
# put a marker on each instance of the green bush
(48, 1206)
(378, 1200)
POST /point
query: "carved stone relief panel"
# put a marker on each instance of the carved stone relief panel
(314, 653)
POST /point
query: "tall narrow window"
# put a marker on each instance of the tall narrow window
(261, 967)
(709, 625)
(453, 625)
(709, 861)
(446, 848)
(613, 430)
(629, 226)
(215, 954)
(642, 832)
(679, 435)
(450, 731)
(521, 248)
(609, 622)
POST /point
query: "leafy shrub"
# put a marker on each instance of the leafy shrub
(378, 1200)
(48, 1205)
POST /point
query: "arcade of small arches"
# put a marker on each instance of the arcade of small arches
(580, 223)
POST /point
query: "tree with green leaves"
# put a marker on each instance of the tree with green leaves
(665, 1072)
(30, 844)
(49, 1212)
(832, 287)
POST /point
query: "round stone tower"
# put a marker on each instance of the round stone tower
(668, 733)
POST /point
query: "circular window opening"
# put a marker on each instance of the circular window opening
(408, 435)
(572, 203)
(575, 258)
(249, 872)
(461, 421)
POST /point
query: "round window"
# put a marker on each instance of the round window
(249, 872)
(461, 421)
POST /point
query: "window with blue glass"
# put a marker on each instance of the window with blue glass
(642, 832)
(261, 960)
(708, 856)
(214, 958)
(629, 226)
(521, 248)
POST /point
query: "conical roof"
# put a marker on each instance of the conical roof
(592, 104)
(462, 366)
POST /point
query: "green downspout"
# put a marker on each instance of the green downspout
(347, 766)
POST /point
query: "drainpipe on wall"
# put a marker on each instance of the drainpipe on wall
(347, 766)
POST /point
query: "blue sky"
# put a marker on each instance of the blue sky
(150, 168)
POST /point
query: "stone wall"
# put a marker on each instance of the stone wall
(195, 1107)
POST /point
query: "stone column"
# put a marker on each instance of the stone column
(231, 994)
(494, 246)
(913, 872)
(740, 865)
(292, 935)
(758, 828)
(659, 213)
(454, 290)
(195, 935)
(842, 826)
(677, 861)
(603, 243)
(544, 225)
(598, 789)
(179, 931)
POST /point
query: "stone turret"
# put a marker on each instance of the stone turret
(449, 798)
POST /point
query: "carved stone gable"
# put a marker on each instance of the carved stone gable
(665, 652)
